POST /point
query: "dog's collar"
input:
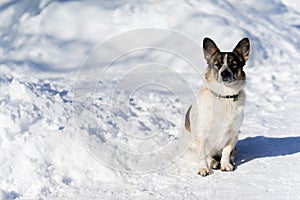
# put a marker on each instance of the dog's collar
(235, 97)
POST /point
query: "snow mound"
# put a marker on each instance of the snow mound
(38, 141)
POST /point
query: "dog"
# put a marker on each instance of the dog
(216, 116)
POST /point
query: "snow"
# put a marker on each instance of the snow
(93, 96)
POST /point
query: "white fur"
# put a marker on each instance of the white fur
(215, 123)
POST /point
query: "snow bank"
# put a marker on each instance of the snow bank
(40, 150)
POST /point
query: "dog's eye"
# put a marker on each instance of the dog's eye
(218, 65)
(234, 65)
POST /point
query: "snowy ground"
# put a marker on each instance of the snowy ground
(114, 131)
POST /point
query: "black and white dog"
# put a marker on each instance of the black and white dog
(217, 115)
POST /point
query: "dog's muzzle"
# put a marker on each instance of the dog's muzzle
(226, 76)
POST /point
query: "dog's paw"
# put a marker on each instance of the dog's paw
(214, 164)
(203, 171)
(227, 167)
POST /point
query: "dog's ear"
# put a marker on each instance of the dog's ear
(243, 48)
(209, 48)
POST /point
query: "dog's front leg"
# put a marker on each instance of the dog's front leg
(201, 152)
(226, 155)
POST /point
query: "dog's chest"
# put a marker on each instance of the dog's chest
(226, 119)
(225, 113)
(217, 120)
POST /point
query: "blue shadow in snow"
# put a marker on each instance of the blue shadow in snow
(261, 147)
(296, 26)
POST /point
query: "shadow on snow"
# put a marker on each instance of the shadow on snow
(261, 147)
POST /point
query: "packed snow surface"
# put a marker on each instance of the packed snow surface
(93, 96)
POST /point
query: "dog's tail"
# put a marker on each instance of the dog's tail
(187, 120)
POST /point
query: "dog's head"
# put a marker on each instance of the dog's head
(226, 67)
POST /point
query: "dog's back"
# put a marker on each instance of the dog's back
(187, 120)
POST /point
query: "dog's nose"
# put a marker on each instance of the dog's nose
(225, 74)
